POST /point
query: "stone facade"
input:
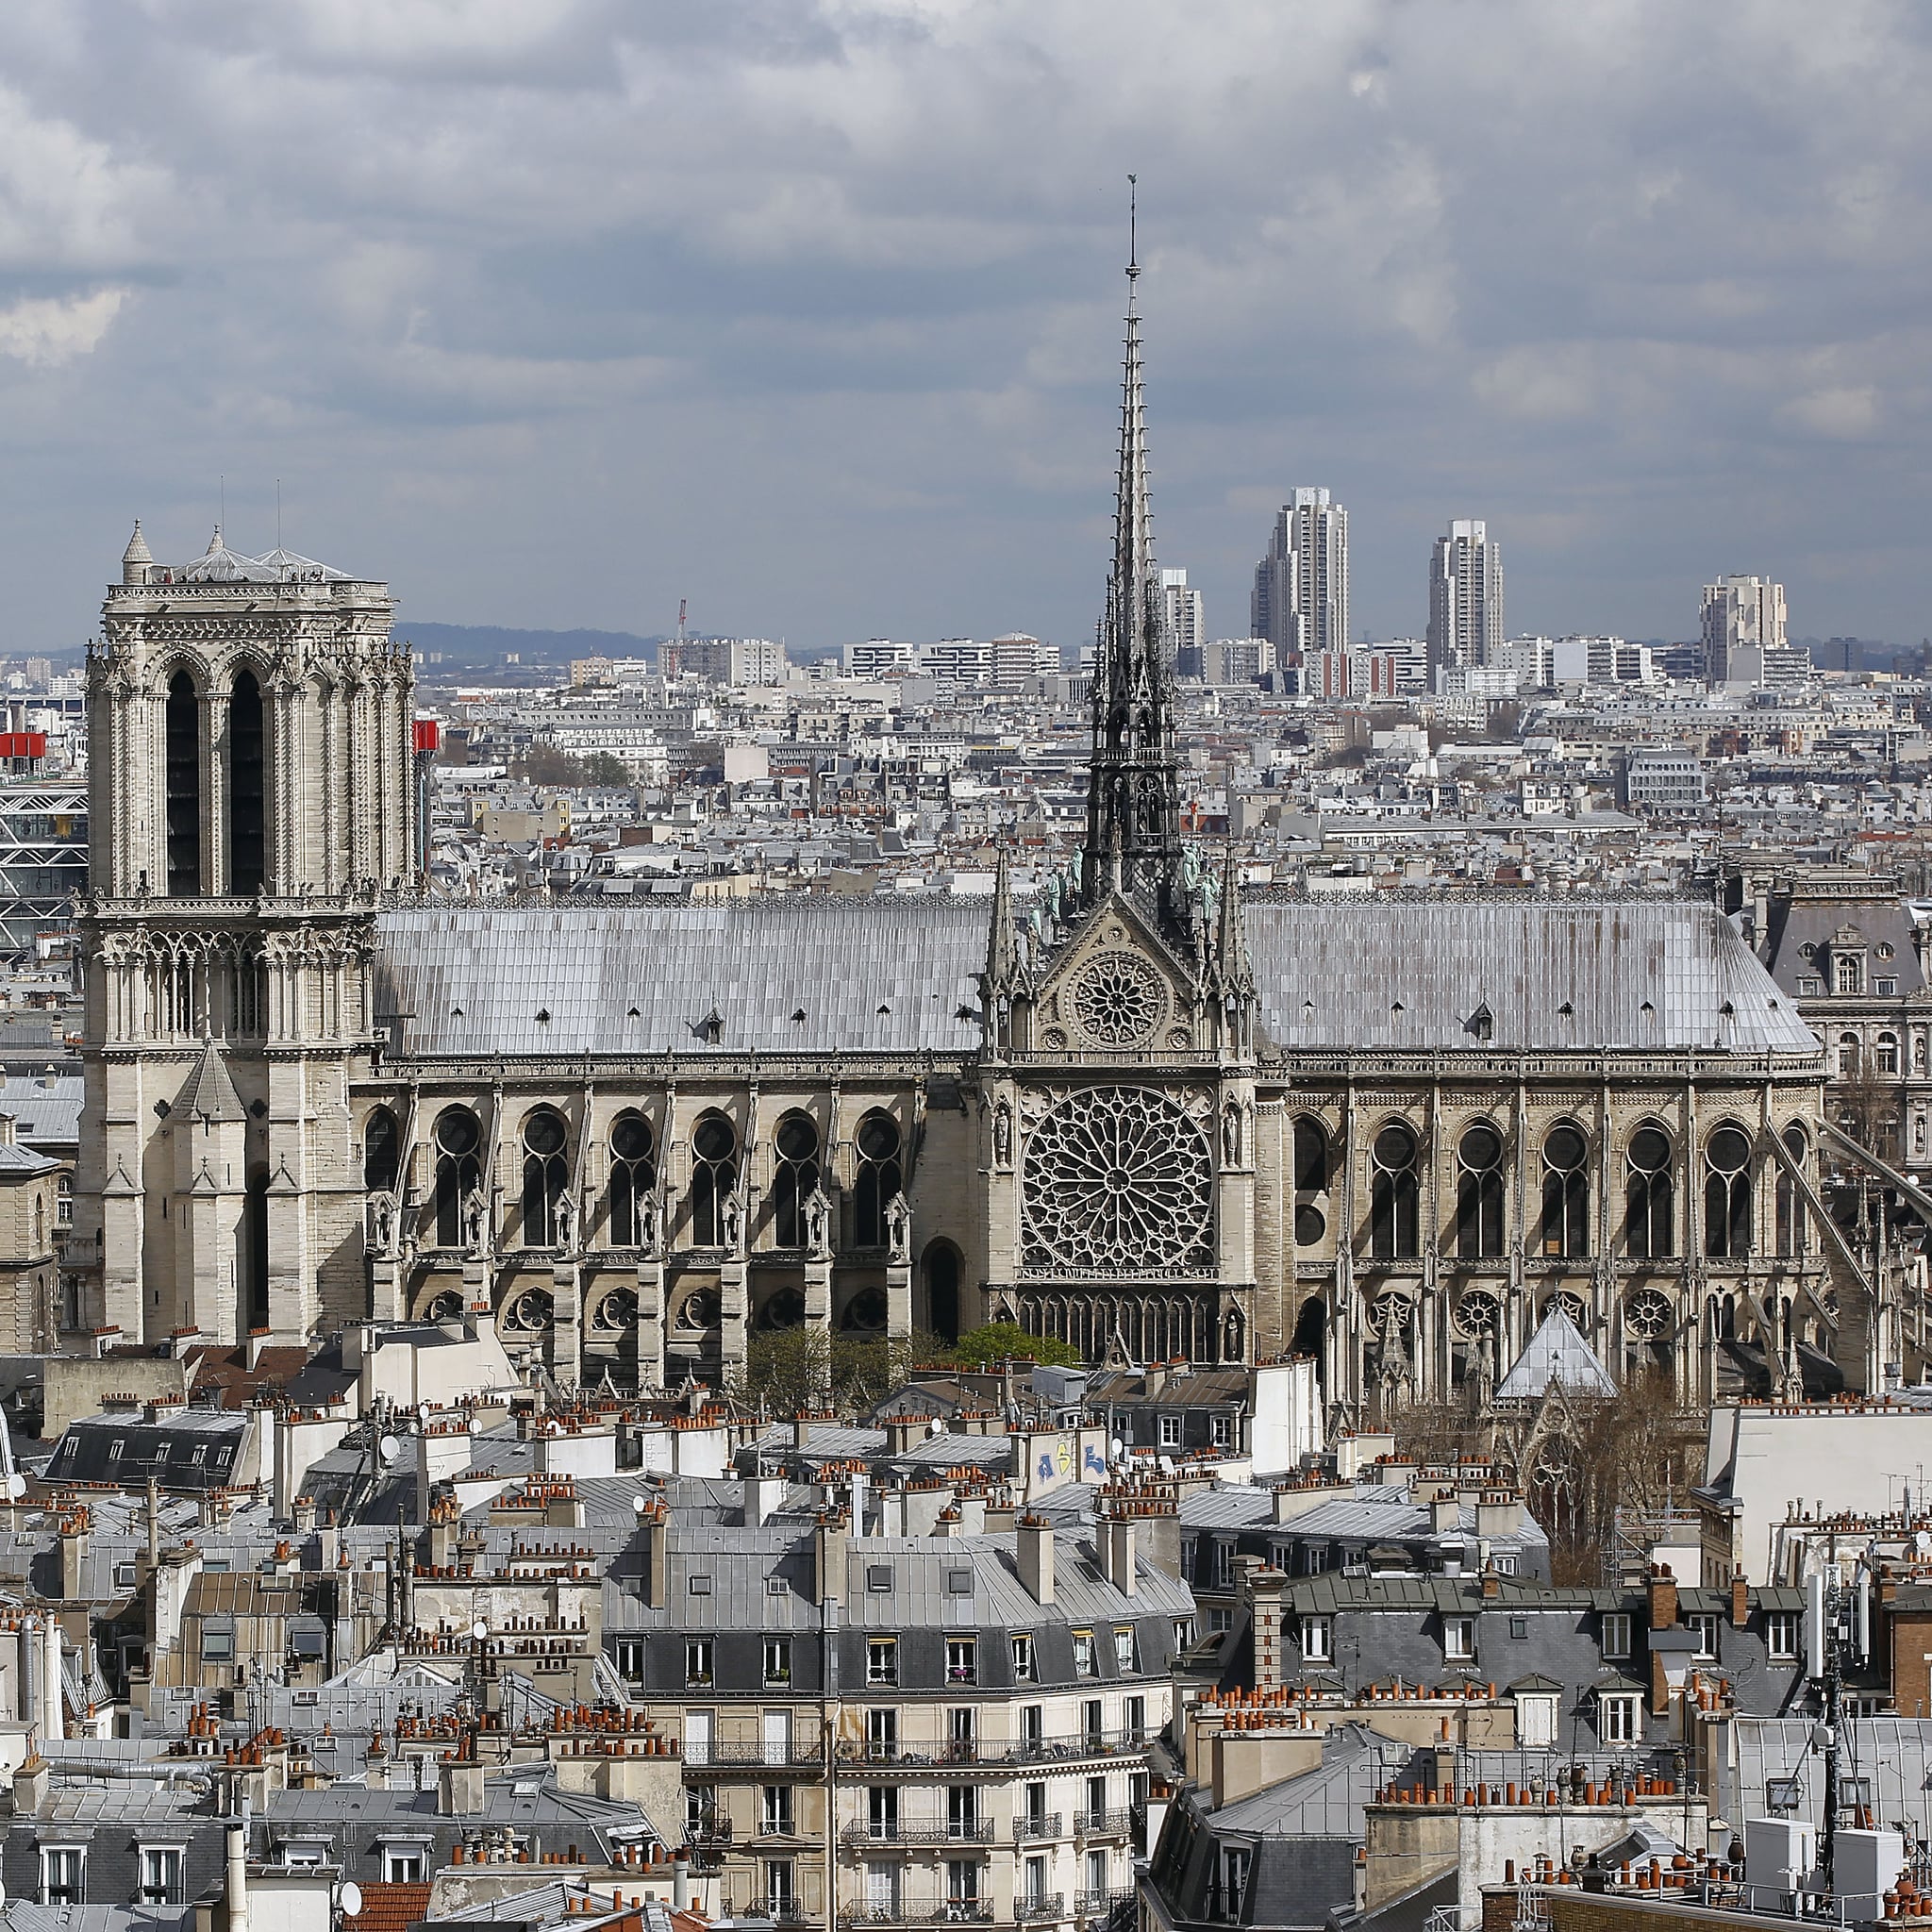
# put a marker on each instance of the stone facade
(1145, 1110)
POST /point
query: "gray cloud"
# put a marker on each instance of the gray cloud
(555, 311)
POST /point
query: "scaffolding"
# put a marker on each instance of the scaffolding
(43, 861)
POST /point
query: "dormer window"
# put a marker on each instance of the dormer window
(1848, 972)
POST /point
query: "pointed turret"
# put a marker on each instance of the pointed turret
(137, 558)
(1002, 947)
(1133, 802)
(1231, 954)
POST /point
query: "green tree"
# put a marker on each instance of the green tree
(605, 767)
(980, 1348)
(789, 1368)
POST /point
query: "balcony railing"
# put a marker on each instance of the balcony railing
(781, 1911)
(1032, 1906)
(757, 1750)
(988, 1751)
(1101, 1905)
(1030, 1830)
(977, 1831)
(905, 1912)
(780, 1825)
(1103, 1823)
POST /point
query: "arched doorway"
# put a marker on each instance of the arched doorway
(942, 1290)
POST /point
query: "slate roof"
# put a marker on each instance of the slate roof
(1331, 974)
(45, 1107)
(1555, 1353)
(869, 975)
(878, 975)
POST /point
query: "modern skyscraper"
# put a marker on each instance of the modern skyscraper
(1465, 597)
(1186, 622)
(1740, 614)
(1301, 586)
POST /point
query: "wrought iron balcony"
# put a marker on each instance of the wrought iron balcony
(1103, 1823)
(1030, 1908)
(1031, 1830)
(977, 1831)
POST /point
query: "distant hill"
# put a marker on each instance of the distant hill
(488, 644)
(485, 647)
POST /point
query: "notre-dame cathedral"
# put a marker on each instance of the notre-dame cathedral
(1146, 1110)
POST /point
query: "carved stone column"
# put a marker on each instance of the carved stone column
(651, 1324)
(567, 1323)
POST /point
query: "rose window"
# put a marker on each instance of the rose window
(530, 1313)
(1647, 1315)
(1118, 1181)
(1118, 999)
(617, 1310)
(1478, 1313)
(1572, 1305)
(446, 1306)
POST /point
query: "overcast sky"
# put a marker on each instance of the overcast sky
(551, 311)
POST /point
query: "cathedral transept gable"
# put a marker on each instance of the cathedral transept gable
(1114, 987)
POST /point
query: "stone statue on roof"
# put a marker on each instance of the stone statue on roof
(382, 1222)
(817, 1224)
(476, 1221)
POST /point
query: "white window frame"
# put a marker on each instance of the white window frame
(78, 1855)
(631, 1659)
(1784, 1636)
(1170, 1431)
(1221, 1431)
(1086, 1659)
(1613, 1634)
(163, 1873)
(1459, 1639)
(700, 1663)
(404, 1861)
(1318, 1639)
(1703, 1626)
(779, 1660)
(962, 1660)
(1124, 1650)
(881, 1660)
(1024, 1669)
(1616, 1722)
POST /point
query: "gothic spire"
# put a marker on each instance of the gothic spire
(1002, 953)
(1133, 806)
(1231, 941)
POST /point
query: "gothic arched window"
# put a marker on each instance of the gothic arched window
(795, 1176)
(1393, 1231)
(1727, 1194)
(457, 1171)
(1310, 1156)
(381, 1157)
(1566, 1191)
(633, 1178)
(183, 728)
(1479, 1192)
(1791, 1224)
(878, 1177)
(1650, 1221)
(247, 788)
(545, 1176)
(713, 1178)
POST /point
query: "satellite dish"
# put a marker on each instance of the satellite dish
(351, 1896)
(640, 1503)
(16, 1484)
(479, 1629)
(388, 1448)
(936, 1427)
(1115, 1449)
(422, 1411)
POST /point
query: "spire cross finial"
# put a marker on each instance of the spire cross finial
(1133, 234)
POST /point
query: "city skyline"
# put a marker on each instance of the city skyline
(806, 330)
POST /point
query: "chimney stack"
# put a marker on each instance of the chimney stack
(1034, 1548)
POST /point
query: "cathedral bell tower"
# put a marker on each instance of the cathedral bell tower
(248, 735)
